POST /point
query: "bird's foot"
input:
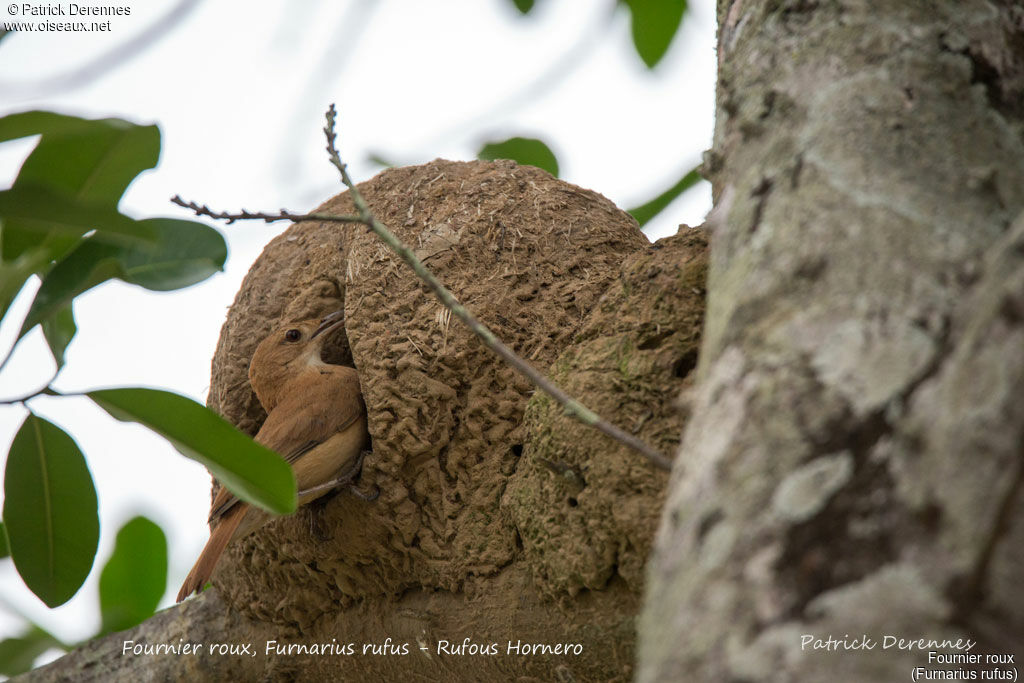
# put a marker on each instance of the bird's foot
(372, 494)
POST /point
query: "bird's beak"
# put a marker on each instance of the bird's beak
(329, 324)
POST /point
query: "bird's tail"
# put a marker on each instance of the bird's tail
(221, 535)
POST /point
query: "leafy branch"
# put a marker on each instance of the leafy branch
(60, 223)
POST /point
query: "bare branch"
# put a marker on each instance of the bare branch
(243, 215)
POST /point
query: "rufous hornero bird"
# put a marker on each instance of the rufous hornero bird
(316, 420)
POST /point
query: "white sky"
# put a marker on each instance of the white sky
(239, 91)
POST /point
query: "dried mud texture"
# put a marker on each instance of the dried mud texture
(586, 509)
(531, 256)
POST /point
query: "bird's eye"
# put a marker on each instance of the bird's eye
(293, 335)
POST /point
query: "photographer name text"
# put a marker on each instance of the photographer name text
(67, 10)
(888, 642)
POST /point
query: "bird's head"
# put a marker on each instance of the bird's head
(287, 351)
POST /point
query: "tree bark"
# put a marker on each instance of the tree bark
(395, 641)
(853, 463)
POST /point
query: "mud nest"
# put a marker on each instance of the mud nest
(564, 278)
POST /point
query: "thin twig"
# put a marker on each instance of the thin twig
(571, 406)
(243, 215)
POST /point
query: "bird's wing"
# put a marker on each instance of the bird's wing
(323, 402)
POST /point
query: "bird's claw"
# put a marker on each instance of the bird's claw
(368, 496)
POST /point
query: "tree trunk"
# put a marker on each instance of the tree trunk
(853, 464)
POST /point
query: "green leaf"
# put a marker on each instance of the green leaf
(523, 6)
(69, 184)
(649, 210)
(59, 329)
(5, 550)
(527, 151)
(135, 577)
(18, 654)
(252, 472)
(26, 123)
(185, 252)
(49, 511)
(654, 24)
(94, 165)
(92, 161)
(41, 210)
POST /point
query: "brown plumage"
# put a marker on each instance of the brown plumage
(316, 420)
